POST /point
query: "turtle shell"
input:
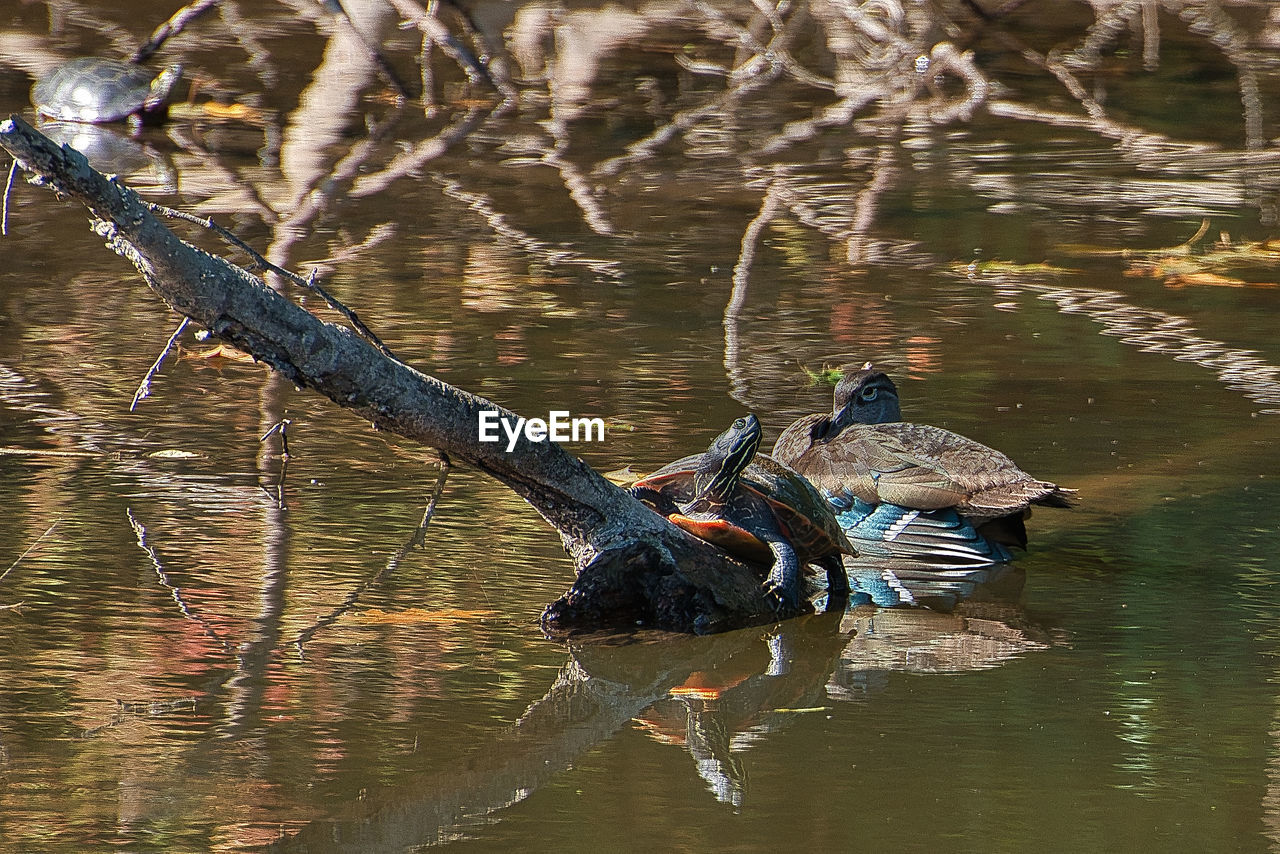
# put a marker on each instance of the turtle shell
(802, 513)
(806, 517)
(93, 89)
(728, 535)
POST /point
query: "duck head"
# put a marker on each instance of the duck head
(866, 396)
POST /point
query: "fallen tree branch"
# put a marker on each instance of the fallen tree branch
(310, 282)
(633, 566)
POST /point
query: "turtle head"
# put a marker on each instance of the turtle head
(162, 88)
(726, 459)
(866, 396)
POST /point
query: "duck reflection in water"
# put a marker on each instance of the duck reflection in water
(715, 696)
(731, 704)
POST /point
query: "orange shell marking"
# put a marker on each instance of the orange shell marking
(726, 535)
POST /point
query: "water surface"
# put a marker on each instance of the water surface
(215, 651)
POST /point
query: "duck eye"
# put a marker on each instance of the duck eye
(869, 394)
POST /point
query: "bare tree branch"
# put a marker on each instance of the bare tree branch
(633, 564)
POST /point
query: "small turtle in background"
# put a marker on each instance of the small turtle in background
(96, 90)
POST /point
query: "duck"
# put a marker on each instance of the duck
(914, 493)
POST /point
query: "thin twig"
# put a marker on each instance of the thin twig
(263, 264)
(140, 533)
(420, 536)
(29, 548)
(4, 209)
(281, 427)
(144, 387)
(353, 598)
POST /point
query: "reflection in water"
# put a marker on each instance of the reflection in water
(110, 151)
(206, 627)
(1153, 331)
(1137, 731)
(715, 697)
(887, 583)
(513, 236)
(566, 236)
(923, 641)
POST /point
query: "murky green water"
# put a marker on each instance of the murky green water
(214, 652)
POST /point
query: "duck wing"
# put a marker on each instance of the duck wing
(797, 439)
(926, 468)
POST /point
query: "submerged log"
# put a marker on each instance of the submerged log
(633, 567)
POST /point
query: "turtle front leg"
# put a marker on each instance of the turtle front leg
(660, 502)
(837, 579)
(783, 582)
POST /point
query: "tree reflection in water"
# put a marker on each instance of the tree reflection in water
(682, 155)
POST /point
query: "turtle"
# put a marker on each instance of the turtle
(913, 491)
(98, 90)
(753, 507)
